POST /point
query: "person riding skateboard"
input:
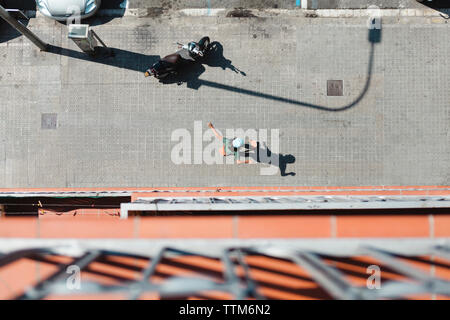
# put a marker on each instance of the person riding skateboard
(232, 146)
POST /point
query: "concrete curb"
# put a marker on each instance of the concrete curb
(318, 13)
(383, 13)
(228, 191)
(323, 13)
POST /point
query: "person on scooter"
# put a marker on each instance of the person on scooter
(193, 48)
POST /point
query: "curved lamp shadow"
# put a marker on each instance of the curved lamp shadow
(374, 37)
(193, 82)
(292, 101)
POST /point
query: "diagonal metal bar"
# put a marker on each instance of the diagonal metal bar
(433, 285)
(252, 288)
(441, 251)
(43, 288)
(147, 274)
(184, 252)
(396, 264)
(6, 259)
(230, 276)
(185, 286)
(331, 279)
(232, 282)
(138, 288)
(231, 255)
(174, 287)
(397, 289)
(90, 287)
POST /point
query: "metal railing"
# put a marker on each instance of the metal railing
(309, 255)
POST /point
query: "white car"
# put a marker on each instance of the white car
(62, 9)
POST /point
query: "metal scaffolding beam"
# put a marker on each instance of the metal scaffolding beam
(43, 288)
(309, 258)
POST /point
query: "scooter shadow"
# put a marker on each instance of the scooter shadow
(189, 73)
(216, 59)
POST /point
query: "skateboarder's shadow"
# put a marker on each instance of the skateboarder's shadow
(215, 58)
(262, 154)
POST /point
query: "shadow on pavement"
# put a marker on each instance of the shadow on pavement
(215, 58)
(6, 31)
(438, 5)
(193, 82)
(121, 58)
(374, 37)
(262, 154)
(190, 72)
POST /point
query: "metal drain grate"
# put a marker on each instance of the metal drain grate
(48, 120)
(335, 88)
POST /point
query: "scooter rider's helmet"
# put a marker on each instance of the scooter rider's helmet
(191, 46)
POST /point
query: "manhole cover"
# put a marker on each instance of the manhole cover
(48, 121)
(335, 88)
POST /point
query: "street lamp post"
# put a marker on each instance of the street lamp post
(22, 29)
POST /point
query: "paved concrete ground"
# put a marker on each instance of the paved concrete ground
(114, 126)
